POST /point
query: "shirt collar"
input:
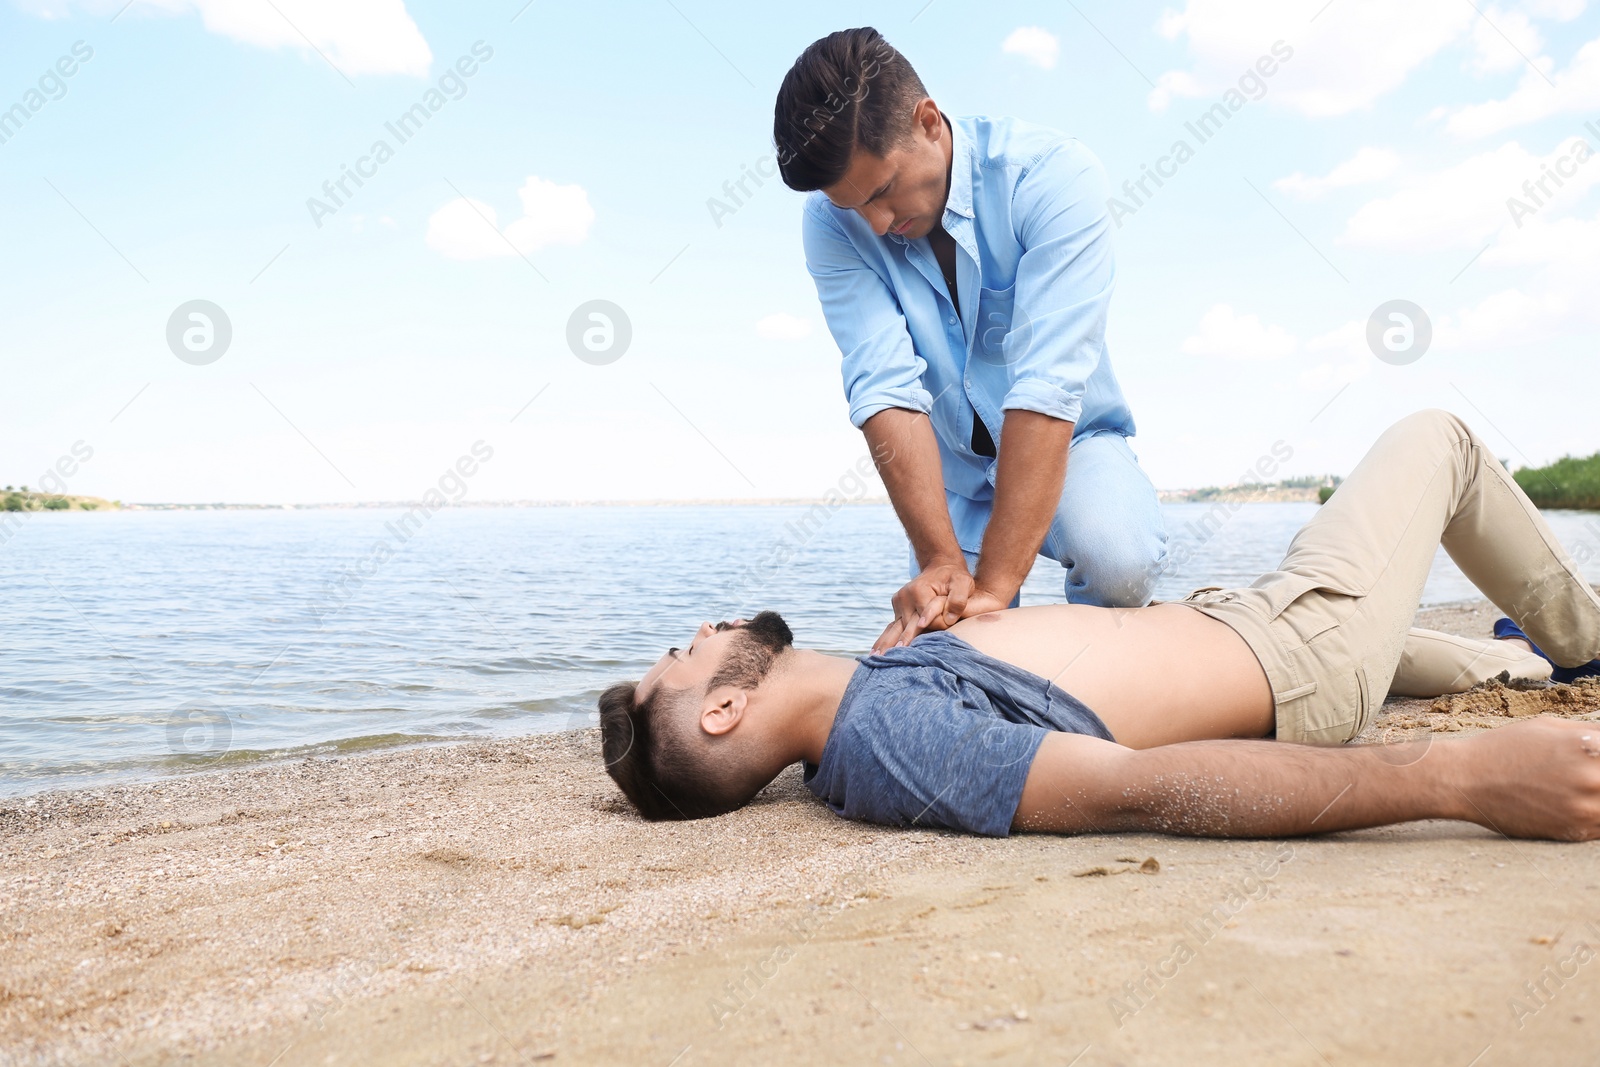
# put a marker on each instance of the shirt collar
(960, 199)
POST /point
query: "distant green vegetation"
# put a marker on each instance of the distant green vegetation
(1569, 482)
(1300, 488)
(23, 500)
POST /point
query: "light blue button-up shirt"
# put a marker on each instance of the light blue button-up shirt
(1027, 207)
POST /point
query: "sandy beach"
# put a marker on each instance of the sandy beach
(497, 903)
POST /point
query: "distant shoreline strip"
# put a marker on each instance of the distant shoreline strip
(1173, 496)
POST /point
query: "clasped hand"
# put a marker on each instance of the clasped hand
(938, 598)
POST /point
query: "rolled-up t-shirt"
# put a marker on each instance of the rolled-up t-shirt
(937, 734)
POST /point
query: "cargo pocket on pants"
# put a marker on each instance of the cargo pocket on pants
(1290, 606)
(1365, 711)
(1339, 701)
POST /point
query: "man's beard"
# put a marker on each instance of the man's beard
(755, 648)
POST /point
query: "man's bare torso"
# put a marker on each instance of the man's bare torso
(1155, 675)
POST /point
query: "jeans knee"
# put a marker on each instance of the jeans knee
(1123, 574)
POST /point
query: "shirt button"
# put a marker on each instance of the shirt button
(952, 322)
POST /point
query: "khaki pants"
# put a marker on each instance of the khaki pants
(1432, 663)
(1332, 625)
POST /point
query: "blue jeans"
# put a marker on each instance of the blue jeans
(1108, 534)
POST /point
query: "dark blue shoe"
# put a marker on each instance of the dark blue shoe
(1565, 675)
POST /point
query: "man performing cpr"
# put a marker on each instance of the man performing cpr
(1075, 718)
(965, 269)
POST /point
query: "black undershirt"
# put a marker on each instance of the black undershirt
(982, 443)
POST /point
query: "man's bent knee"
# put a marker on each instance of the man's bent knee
(1437, 421)
(1121, 577)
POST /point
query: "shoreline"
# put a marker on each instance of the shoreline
(1166, 496)
(378, 743)
(406, 504)
(497, 902)
(247, 759)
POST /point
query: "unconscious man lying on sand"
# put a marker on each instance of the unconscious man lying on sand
(1070, 718)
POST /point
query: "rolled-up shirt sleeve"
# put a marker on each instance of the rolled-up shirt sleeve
(880, 365)
(1063, 283)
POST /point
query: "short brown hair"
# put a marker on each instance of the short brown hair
(665, 774)
(654, 749)
(849, 90)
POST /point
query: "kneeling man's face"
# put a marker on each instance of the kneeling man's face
(903, 191)
(694, 666)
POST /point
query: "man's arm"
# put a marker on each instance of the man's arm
(1539, 778)
(880, 366)
(1055, 342)
(1032, 468)
(883, 383)
(907, 454)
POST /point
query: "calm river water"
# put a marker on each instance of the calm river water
(145, 641)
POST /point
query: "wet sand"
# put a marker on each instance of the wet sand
(496, 903)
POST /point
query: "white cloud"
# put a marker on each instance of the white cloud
(461, 229)
(1464, 205)
(1558, 263)
(1344, 357)
(1343, 61)
(1554, 303)
(1560, 10)
(1573, 244)
(551, 215)
(1367, 165)
(1503, 40)
(782, 326)
(1577, 89)
(1326, 361)
(357, 36)
(1033, 43)
(1222, 333)
(1503, 320)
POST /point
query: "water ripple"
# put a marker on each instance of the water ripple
(142, 642)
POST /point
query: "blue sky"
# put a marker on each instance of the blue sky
(370, 352)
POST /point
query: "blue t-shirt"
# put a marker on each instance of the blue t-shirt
(938, 734)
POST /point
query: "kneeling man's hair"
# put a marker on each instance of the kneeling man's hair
(847, 91)
(654, 749)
